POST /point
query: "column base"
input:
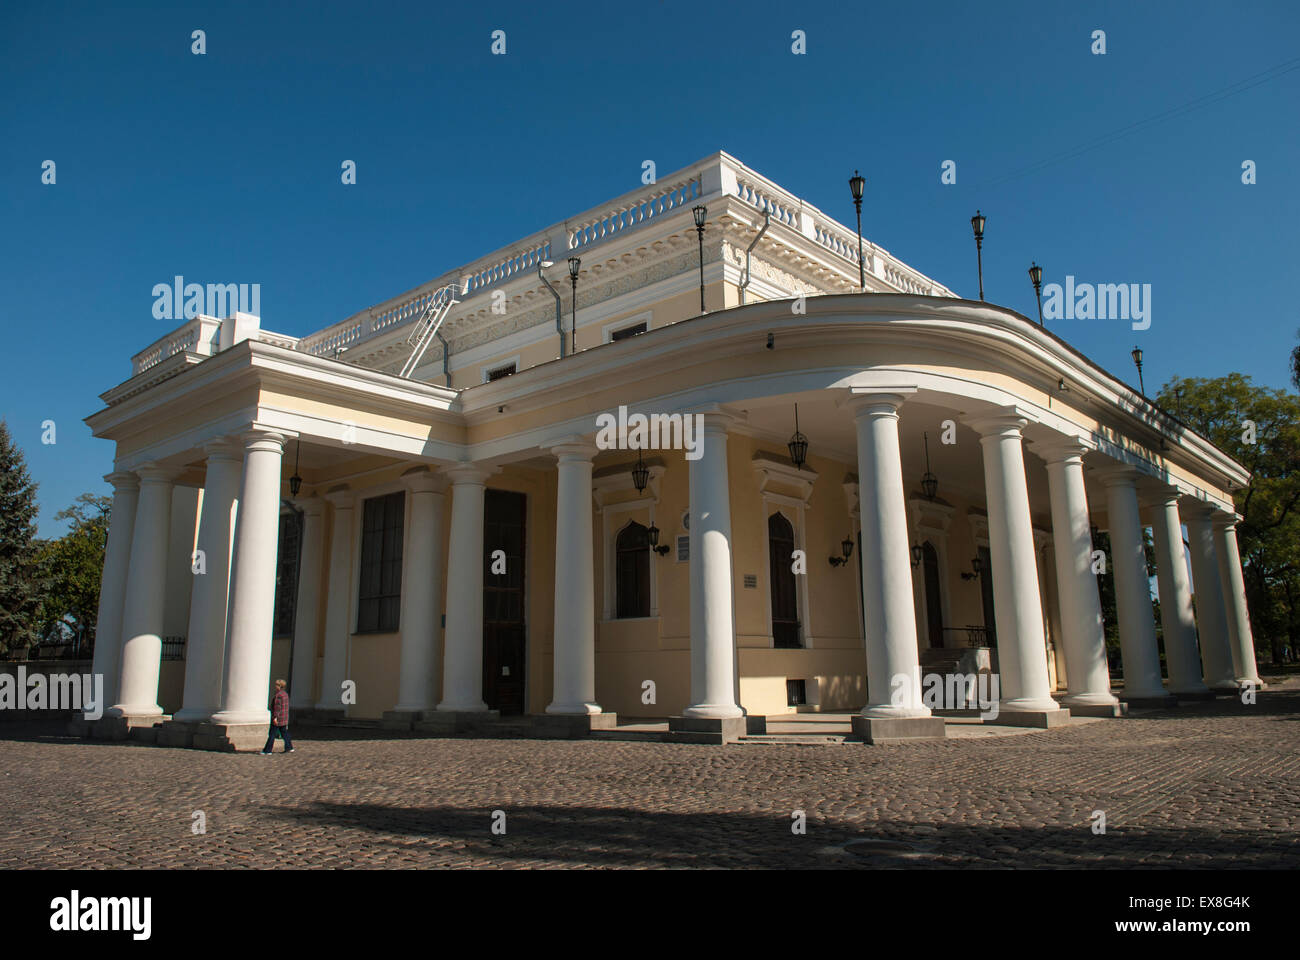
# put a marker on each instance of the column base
(713, 730)
(1228, 689)
(447, 722)
(1256, 683)
(1117, 709)
(897, 729)
(143, 729)
(713, 711)
(573, 709)
(1151, 703)
(230, 737)
(1039, 719)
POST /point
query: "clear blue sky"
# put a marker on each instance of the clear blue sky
(225, 167)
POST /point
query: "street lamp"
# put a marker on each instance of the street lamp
(1137, 360)
(700, 212)
(575, 263)
(1036, 278)
(857, 184)
(977, 224)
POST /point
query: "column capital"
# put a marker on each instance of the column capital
(224, 448)
(420, 479)
(122, 481)
(574, 449)
(261, 437)
(1005, 421)
(716, 418)
(1062, 448)
(1192, 508)
(1118, 475)
(467, 473)
(155, 473)
(1223, 520)
(875, 401)
(1160, 495)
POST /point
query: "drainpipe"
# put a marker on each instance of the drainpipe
(446, 373)
(767, 221)
(559, 316)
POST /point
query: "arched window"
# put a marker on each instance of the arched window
(785, 606)
(933, 603)
(632, 572)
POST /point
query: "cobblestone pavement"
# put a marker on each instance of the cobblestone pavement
(1209, 785)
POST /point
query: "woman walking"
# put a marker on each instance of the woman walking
(279, 720)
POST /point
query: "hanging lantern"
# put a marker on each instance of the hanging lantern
(798, 443)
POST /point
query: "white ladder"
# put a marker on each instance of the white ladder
(423, 330)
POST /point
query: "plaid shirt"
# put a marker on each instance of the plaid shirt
(280, 709)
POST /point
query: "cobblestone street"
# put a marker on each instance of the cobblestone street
(1208, 785)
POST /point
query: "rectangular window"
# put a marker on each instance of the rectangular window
(627, 332)
(380, 600)
(796, 693)
(500, 372)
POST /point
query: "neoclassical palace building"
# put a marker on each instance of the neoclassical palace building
(421, 513)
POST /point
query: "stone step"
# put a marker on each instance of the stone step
(793, 739)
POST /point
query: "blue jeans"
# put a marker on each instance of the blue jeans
(278, 732)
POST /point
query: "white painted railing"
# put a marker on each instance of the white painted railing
(195, 336)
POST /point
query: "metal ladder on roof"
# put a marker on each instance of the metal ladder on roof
(424, 329)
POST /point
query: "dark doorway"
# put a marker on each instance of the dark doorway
(986, 594)
(504, 632)
(785, 606)
(933, 603)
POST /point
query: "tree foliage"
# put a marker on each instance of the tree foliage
(20, 567)
(74, 564)
(1232, 412)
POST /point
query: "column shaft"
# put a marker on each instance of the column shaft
(205, 646)
(247, 671)
(893, 667)
(1018, 609)
(1211, 620)
(421, 595)
(1137, 627)
(338, 626)
(713, 634)
(112, 589)
(306, 616)
(1083, 633)
(1240, 638)
(462, 683)
(575, 585)
(1176, 617)
(142, 613)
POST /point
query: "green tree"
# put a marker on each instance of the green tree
(20, 567)
(1259, 427)
(73, 566)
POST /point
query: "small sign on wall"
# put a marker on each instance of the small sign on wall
(683, 548)
(751, 581)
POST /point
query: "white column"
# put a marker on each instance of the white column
(112, 589)
(1083, 634)
(1176, 618)
(421, 594)
(575, 583)
(1211, 620)
(247, 672)
(893, 668)
(306, 617)
(1240, 639)
(338, 626)
(1137, 626)
(462, 682)
(142, 612)
(205, 645)
(713, 633)
(1018, 609)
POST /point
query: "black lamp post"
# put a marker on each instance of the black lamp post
(977, 224)
(846, 551)
(700, 212)
(295, 482)
(1137, 360)
(929, 482)
(575, 264)
(798, 443)
(857, 184)
(1036, 278)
